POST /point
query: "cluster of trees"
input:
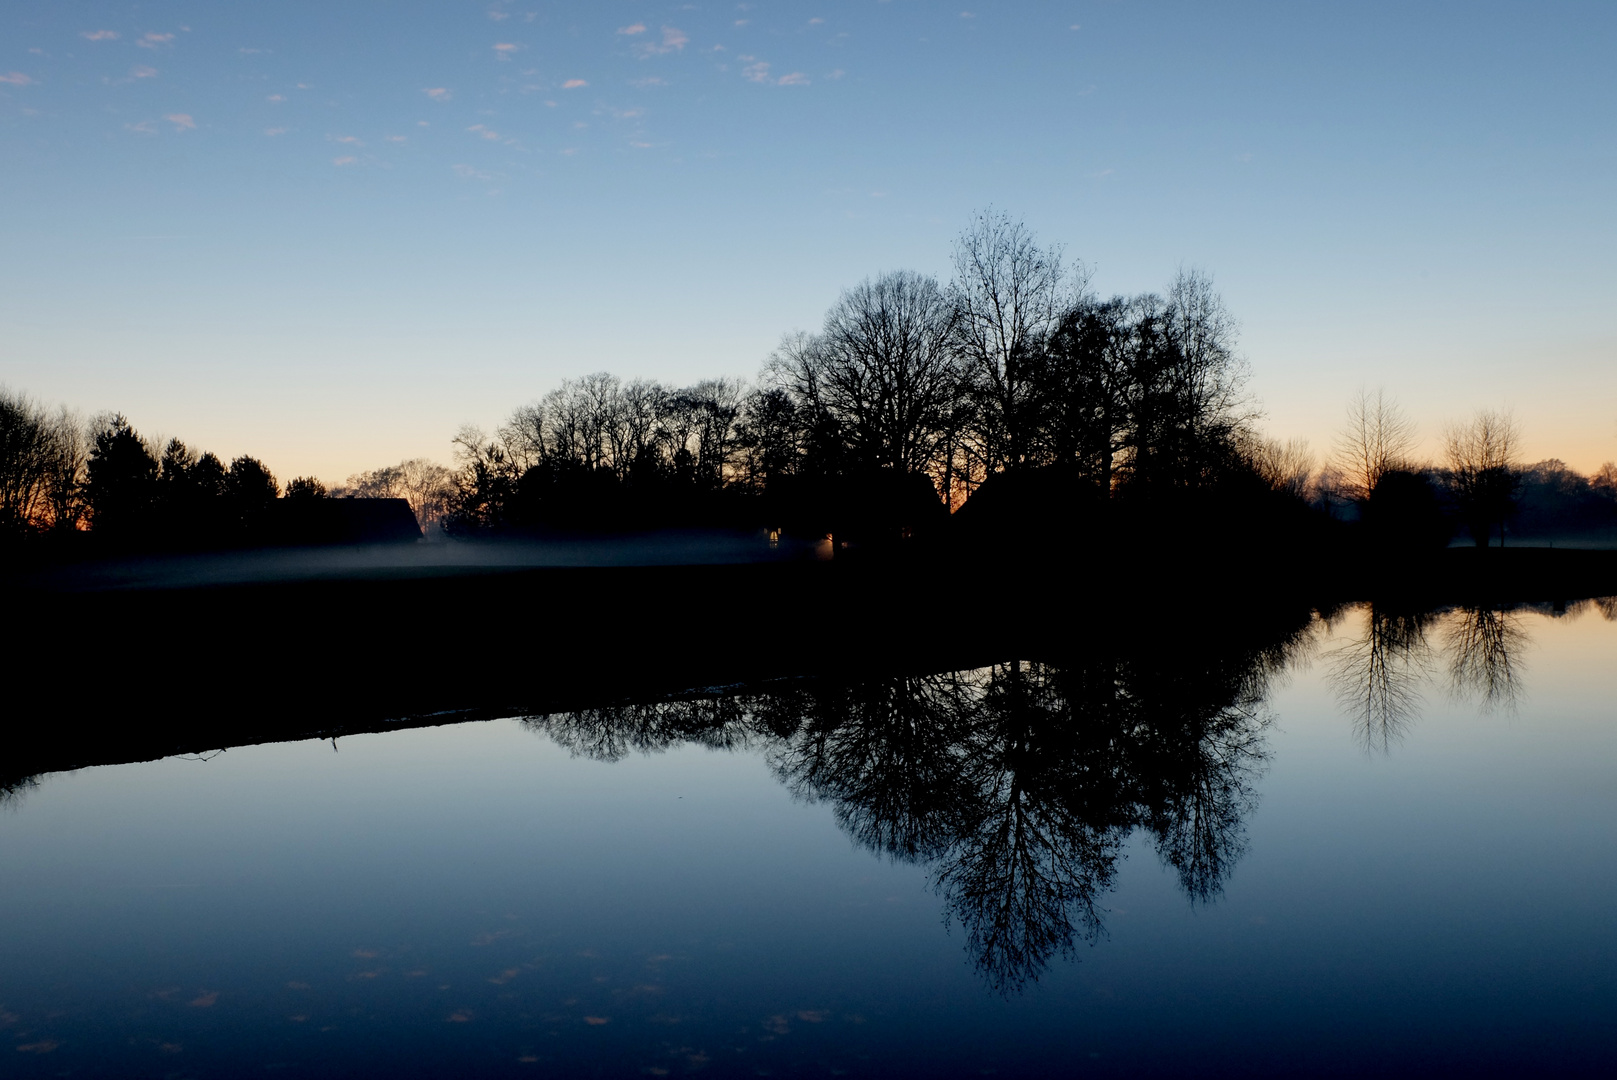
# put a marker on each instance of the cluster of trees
(42, 459)
(61, 475)
(1480, 486)
(912, 396)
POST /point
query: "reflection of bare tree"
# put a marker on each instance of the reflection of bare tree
(1200, 822)
(1016, 784)
(1480, 643)
(1377, 675)
(886, 753)
(1033, 856)
(12, 791)
(610, 732)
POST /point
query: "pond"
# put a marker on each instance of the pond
(1374, 842)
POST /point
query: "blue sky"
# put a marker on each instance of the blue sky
(328, 234)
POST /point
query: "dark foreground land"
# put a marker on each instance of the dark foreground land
(110, 675)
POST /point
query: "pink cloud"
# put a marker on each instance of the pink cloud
(154, 41)
(276, 97)
(438, 93)
(145, 127)
(491, 136)
(15, 78)
(100, 35)
(181, 121)
(275, 131)
(573, 84)
(636, 28)
(796, 78)
(505, 48)
(349, 140)
(143, 73)
(347, 160)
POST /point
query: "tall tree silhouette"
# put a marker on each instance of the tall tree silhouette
(121, 480)
(1484, 472)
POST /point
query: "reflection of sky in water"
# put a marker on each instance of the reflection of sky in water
(470, 898)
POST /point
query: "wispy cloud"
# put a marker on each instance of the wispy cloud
(347, 159)
(633, 28)
(16, 78)
(816, 21)
(438, 93)
(275, 131)
(486, 133)
(796, 78)
(100, 35)
(276, 97)
(652, 81)
(835, 74)
(155, 41)
(758, 72)
(674, 40)
(143, 73)
(346, 140)
(145, 127)
(573, 84)
(181, 121)
(395, 138)
(504, 49)
(470, 173)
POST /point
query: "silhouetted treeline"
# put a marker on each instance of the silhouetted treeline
(913, 399)
(1480, 490)
(1011, 395)
(62, 479)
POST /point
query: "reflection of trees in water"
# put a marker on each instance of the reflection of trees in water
(1481, 643)
(1378, 674)
(1017, 784)
(12, 791)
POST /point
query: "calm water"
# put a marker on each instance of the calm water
(1378, 845)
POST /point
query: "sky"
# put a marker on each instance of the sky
(330, 234)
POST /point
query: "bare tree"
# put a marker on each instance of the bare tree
(1008, 296)
(25, 459)
(1287, 467)
(883, 370)
(64, 485)
(1483, 471)
(1378, 439)
(427, 486)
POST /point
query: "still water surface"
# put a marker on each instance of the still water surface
(1382, 844)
